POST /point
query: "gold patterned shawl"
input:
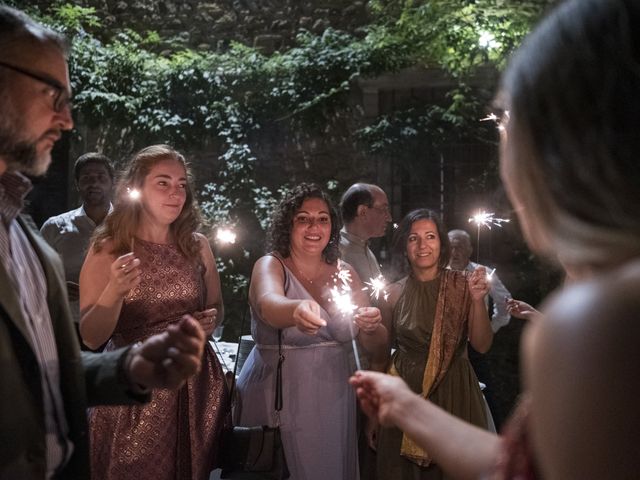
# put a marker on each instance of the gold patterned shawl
(452, 311)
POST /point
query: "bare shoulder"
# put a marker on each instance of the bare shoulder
(597, 310)
(582, 363)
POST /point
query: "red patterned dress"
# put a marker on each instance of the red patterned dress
(174, 436)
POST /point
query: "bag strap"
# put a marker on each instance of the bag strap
(277, 404)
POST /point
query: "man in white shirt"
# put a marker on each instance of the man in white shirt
(69, 233)
(461, 250)
(365, 214)
(460, 259)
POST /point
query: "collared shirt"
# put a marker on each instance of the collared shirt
(356, 252)
(69, 234)
(499, 294)
(29, 282)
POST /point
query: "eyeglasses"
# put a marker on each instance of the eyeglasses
(384, 209)
(59, 93)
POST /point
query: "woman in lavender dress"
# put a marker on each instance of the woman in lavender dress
(146, 268)
(290, 291)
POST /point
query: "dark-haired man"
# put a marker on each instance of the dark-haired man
(69, 232)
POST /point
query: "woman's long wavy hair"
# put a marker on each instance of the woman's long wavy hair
(121, 224)
(279, 232)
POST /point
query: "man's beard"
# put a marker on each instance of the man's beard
(19, 155)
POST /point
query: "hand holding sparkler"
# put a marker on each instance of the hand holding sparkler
(307, 317)
(368, 319)
(479, 283)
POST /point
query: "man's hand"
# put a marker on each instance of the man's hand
(168, 359)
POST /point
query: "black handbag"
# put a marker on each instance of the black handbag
(255, 453)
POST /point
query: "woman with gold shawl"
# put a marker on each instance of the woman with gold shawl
(433, 312)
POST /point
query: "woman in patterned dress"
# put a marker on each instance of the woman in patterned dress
(146, 268)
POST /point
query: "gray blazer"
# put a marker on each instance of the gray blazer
(86, 379)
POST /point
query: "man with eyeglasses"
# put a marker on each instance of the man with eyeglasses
(69, 232)
(46, 383)
(365, 214)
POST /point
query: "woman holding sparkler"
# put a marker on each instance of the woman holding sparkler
(569, 162)
(303, 290)
(432, 313)
(130, 290)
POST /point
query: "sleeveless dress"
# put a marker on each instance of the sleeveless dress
(459, 392)
(175, 435)
(318, 418)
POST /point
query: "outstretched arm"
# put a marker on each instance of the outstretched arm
(267, 296)
(462, 450)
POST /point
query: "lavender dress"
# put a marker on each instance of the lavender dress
(318, 419)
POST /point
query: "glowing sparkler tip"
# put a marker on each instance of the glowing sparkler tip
(133, 193)
(342, 299)
(377, 285)
(487, 219)
(226, 235)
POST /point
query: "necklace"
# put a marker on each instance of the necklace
(304, 277)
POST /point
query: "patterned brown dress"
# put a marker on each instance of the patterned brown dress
(175, 436)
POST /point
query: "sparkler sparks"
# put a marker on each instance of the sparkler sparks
(376, 285)
(341, 296)
(500, 122)
(487, 219)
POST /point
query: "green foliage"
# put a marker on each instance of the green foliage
(459, 35)
(130, 96)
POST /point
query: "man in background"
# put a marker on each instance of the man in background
(69, 233)
(365, 215)
(460, 259)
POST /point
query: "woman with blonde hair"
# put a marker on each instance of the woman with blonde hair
(146, 268)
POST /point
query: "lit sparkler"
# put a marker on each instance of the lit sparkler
(341, 296)
(490, 274)
(500, 122)
(226, 235)
(376, 285)
(134, 195)
(485, 219)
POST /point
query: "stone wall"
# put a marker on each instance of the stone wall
(267, 24)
